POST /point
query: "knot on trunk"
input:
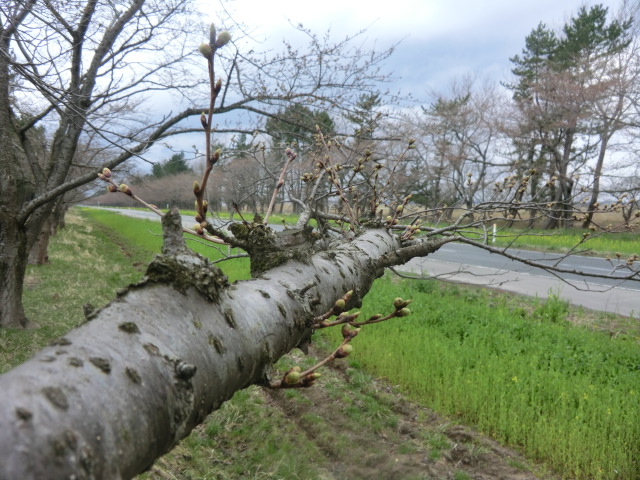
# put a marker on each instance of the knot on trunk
(268, 249)
(182, 268)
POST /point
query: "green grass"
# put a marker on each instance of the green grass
(147, 236)
(566, 395)
(80, 255)
(561, 241)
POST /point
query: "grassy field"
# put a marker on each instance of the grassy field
(520, 370)
(585, 241)
(567, 395)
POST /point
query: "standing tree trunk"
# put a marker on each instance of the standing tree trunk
(595, 189)
(13, 265)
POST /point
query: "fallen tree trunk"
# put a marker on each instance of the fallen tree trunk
(108, 398)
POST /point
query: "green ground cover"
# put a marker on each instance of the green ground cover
(567, 395)
(517, 369)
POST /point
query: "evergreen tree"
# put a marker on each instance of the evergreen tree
(173, 166)
(297, 125)
(365, 117)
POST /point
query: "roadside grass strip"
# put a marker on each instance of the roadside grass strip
(568, 396)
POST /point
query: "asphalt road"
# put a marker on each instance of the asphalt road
(467, 264)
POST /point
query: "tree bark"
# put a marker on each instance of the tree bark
(13, 265)
(108, 398)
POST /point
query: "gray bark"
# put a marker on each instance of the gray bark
(111, 396)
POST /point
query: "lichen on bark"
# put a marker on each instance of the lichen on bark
(181, 267)
(268, 249)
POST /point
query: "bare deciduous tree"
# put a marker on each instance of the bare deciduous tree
(82, 69)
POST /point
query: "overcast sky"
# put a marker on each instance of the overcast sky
(439, 39)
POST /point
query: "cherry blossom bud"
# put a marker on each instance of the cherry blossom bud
(223, 39)
(206, 50)
(292, 378)
(212, 34)
(125, 189)
(106, 172)
(344, 351)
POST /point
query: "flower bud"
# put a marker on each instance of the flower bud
(206, 50)
(344, 351)
(112, 188)
(196, 187)
(212, 34)
(223, 39)
(346, 330)
(403, 312)
(292, 378)
(310, 379)
(125, 189)
(203, 120)
(339, 305)
(106, 172)
(399, 209)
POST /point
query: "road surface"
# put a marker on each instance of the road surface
(467, 264)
